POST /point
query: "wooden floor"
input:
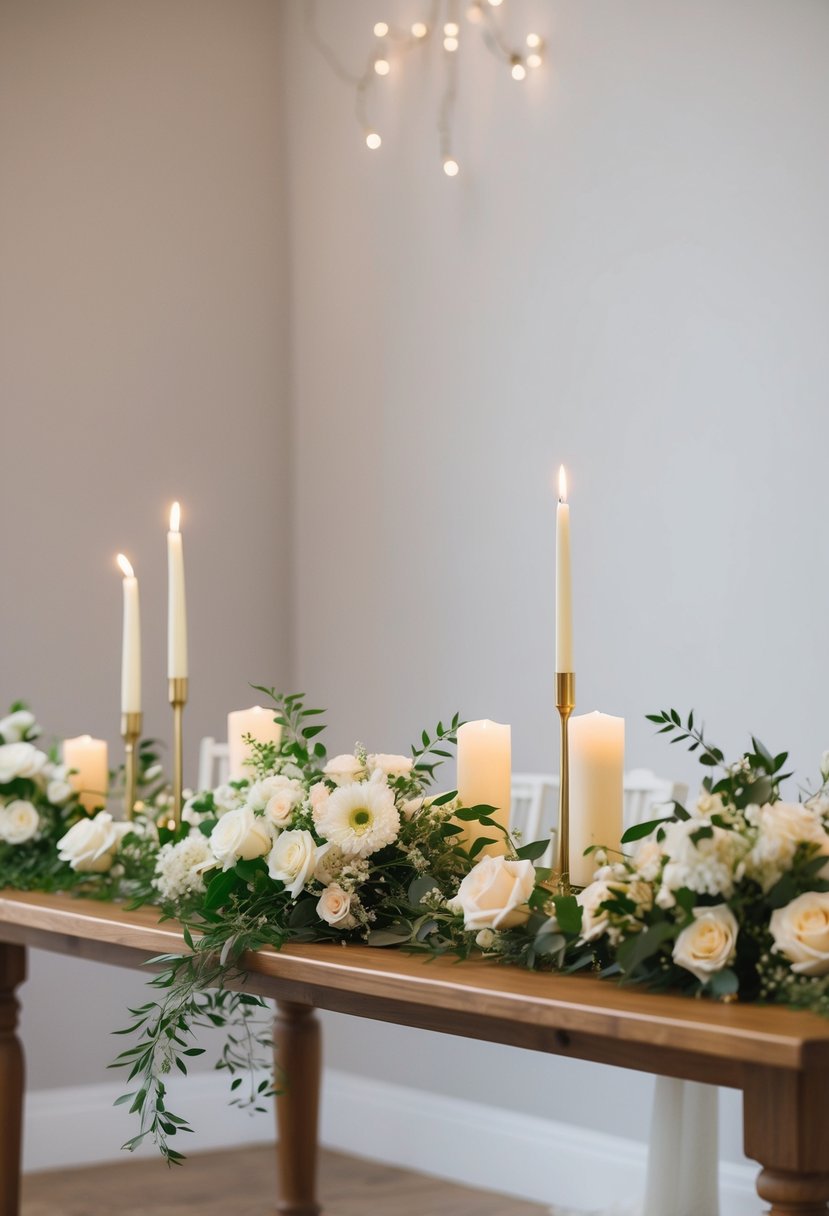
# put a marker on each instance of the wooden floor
(242, 1182)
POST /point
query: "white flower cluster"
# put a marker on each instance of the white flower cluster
(181, 866)
(20, 760)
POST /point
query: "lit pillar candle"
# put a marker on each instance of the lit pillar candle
(484, 776)
(564, 585)
(176, 605)
(131, 642)
(88, 757)
(597, 762)
(255, 721)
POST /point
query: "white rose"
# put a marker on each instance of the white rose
(20, 760)
(801, 932)
(595, 920)
(59, 791)
(334, 907)
(280, 807)
(292, 860)
(240, 835)
(494, 893)
(390, 766)
(782, 826)
(91, 844)
(319, 795)
(261, 792)
(485, 939)
(226, 798)
(342, 770)
(19, 822)
(709, 943)
(16, 726)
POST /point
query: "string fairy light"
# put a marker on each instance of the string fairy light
(392, 44)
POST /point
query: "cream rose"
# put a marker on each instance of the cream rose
(19, 822)
(494, 894)
(334, 907)
(16, 726)
(91, 844)
(390, 766)
(240, 835)
(709, 943)
(801, 933)
(279, 808)
(20, 760)
(292, 860)
(342, 770)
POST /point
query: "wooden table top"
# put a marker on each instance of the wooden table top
(578, 1015)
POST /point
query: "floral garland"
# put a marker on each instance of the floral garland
(728, 898)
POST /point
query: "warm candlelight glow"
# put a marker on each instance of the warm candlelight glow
(562, 484)
(125, 565)
(175, 517)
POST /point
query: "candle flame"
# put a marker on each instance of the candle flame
(175, 517)
(126, 566)
(562, 484)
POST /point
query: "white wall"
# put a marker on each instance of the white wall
(143, 331)
(629, 276)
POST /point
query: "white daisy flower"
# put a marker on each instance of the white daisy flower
(360, 817)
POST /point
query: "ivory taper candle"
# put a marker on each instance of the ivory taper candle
(564, 584)
(90, 778)
(130, 642)
(257, 722)
(597, 762)
(484, 776)
(176, 602)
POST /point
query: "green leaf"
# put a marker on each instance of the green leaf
(636, 950)
(568, 913)
(529, 852)
(640, 830)
(723, 983)
(219, 888)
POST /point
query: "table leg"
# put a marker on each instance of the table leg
(297, 1055)
(787, 1131)
(12, 973)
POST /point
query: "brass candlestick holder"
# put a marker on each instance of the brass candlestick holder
(565, 704)
(177, 695)
(131, 725)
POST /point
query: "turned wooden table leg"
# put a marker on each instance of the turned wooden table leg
(12, 973)
(297, 1055)
(787, 1131)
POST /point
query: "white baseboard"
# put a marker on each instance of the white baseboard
(466, 1142)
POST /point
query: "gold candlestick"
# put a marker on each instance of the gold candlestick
(565, 704)
(131, 725)
(177, 695)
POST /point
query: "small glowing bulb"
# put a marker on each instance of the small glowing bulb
(450, 44)
(382, 67)
(518, 70)
(373, 140)
(450, 167)
(420, 29)
(534, 60)
(533, 41)
(474, 13)
(381, 29)
(451, 29)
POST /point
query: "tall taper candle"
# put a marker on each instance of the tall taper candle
(597, 761)
(176, 605)
(485, 776)
(131, 642)
(564, 586)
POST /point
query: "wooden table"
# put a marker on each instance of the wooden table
(778, 1058)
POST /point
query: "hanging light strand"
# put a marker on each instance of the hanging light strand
(391, 42)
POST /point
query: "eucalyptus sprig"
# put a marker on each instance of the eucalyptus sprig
(431, 752)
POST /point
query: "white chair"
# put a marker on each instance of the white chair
(535, 803)
(214, 763)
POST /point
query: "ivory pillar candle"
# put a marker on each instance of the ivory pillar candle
(597, 762)
(88, 757)
(176, 602)
(485, 775)
(131, 642)
(564, 585)
(256, 721)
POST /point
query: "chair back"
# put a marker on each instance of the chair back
(214, 763)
